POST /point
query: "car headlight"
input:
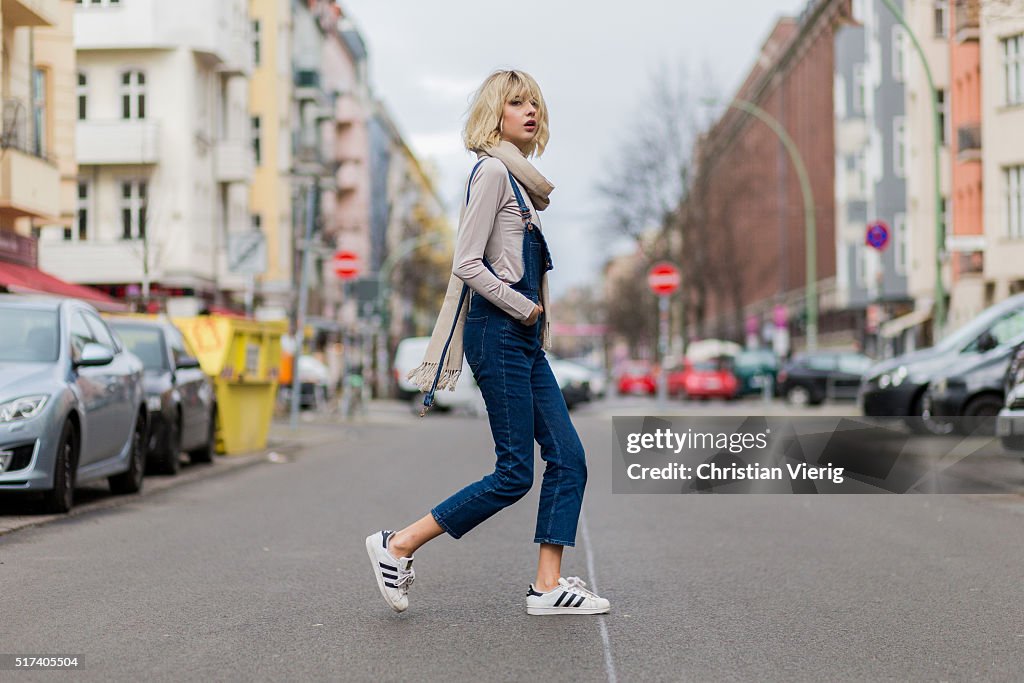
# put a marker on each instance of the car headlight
(884, 380)
(153, 404)
(22, 408)
(899, 375)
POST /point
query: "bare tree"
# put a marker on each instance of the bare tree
(647, 175)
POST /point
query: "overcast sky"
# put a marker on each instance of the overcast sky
(592, 59)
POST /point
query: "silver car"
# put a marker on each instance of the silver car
(72, 403)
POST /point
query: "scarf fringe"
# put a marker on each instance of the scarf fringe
(423, 377)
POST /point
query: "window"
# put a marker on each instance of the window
(1014, 177)
(133, 209)
(899, 41)
(256, 139)
(900, 251)
(899, 147)
(83, 96)
(39, 120)
(859, 89)
(1013, 66)
(944, 207)
(99, 331)
(133, 95)
(99, 3)
(860, 258)
(80, 335)
(257, 222)
(940, 9)
(81, 228)
(256, 42)
(940, 100)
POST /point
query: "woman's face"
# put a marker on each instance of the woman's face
(519, 123)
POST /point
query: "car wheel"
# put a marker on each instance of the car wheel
(980, 413)
(924, 422)
(61, 497)
(168, 459)
(798, 395)
(206, 453)
(131, 480)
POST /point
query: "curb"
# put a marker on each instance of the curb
(152, 485)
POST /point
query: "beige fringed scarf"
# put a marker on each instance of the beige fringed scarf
(423, 376)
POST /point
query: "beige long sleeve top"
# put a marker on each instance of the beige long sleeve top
(491, 227)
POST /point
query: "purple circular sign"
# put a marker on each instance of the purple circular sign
(877, 235)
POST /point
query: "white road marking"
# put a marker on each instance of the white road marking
(609, 664)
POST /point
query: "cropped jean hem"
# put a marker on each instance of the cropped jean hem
(568, 544)
(441, 523)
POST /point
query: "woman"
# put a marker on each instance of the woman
(495, 307)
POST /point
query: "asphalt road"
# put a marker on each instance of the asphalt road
(261, 575)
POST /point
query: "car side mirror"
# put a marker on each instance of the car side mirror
(94, 355)
(187, 363)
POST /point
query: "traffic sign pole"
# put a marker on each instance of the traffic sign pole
(663, 279)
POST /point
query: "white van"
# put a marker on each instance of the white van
(409, 355)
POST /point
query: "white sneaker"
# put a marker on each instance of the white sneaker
(394, 576)
(570, 597)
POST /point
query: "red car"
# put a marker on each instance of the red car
(703, 379)
(637, 377)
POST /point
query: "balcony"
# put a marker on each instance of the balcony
(969, 142)
(347, 177)
(117, 142)
(346, 110)
(968, 20)
(233, 161)
(30, 12)
(29, 185)
(29, 182)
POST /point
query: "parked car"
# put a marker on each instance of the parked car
(179, 396)
(703, 379)
(598, 376)
(72, 402)
(753, 369)
(409, 355)
(637, 377)
(974, 392)
(1010, 421)
(896, 387)
(811, 378)
(573, 380)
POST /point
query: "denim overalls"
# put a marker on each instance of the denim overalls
(524, 403)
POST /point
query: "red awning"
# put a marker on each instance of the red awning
(19, 278)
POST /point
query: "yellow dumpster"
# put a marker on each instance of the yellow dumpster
(243, 358)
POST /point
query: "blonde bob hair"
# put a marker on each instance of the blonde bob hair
(483, 126)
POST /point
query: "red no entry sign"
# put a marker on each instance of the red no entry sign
(663, 279)
(345, 264)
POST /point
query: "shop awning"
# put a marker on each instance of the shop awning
(896, 326)
(25, 279)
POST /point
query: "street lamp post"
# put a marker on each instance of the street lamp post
(810, 223)
(940, 237)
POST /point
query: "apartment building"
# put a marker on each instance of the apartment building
(29, 173)
(164, 151)
(1001, 43)
(271, 123)
(871, 166)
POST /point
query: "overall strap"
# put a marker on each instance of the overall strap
(524, 210)
(428, 399)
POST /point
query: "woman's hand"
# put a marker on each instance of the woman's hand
(537, 310)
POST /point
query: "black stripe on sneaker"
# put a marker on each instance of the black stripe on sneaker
(582, 598)
(533, 592)
(560, 598)
(389, 576)
(390, 585)
(384, 535)
(388, 567)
